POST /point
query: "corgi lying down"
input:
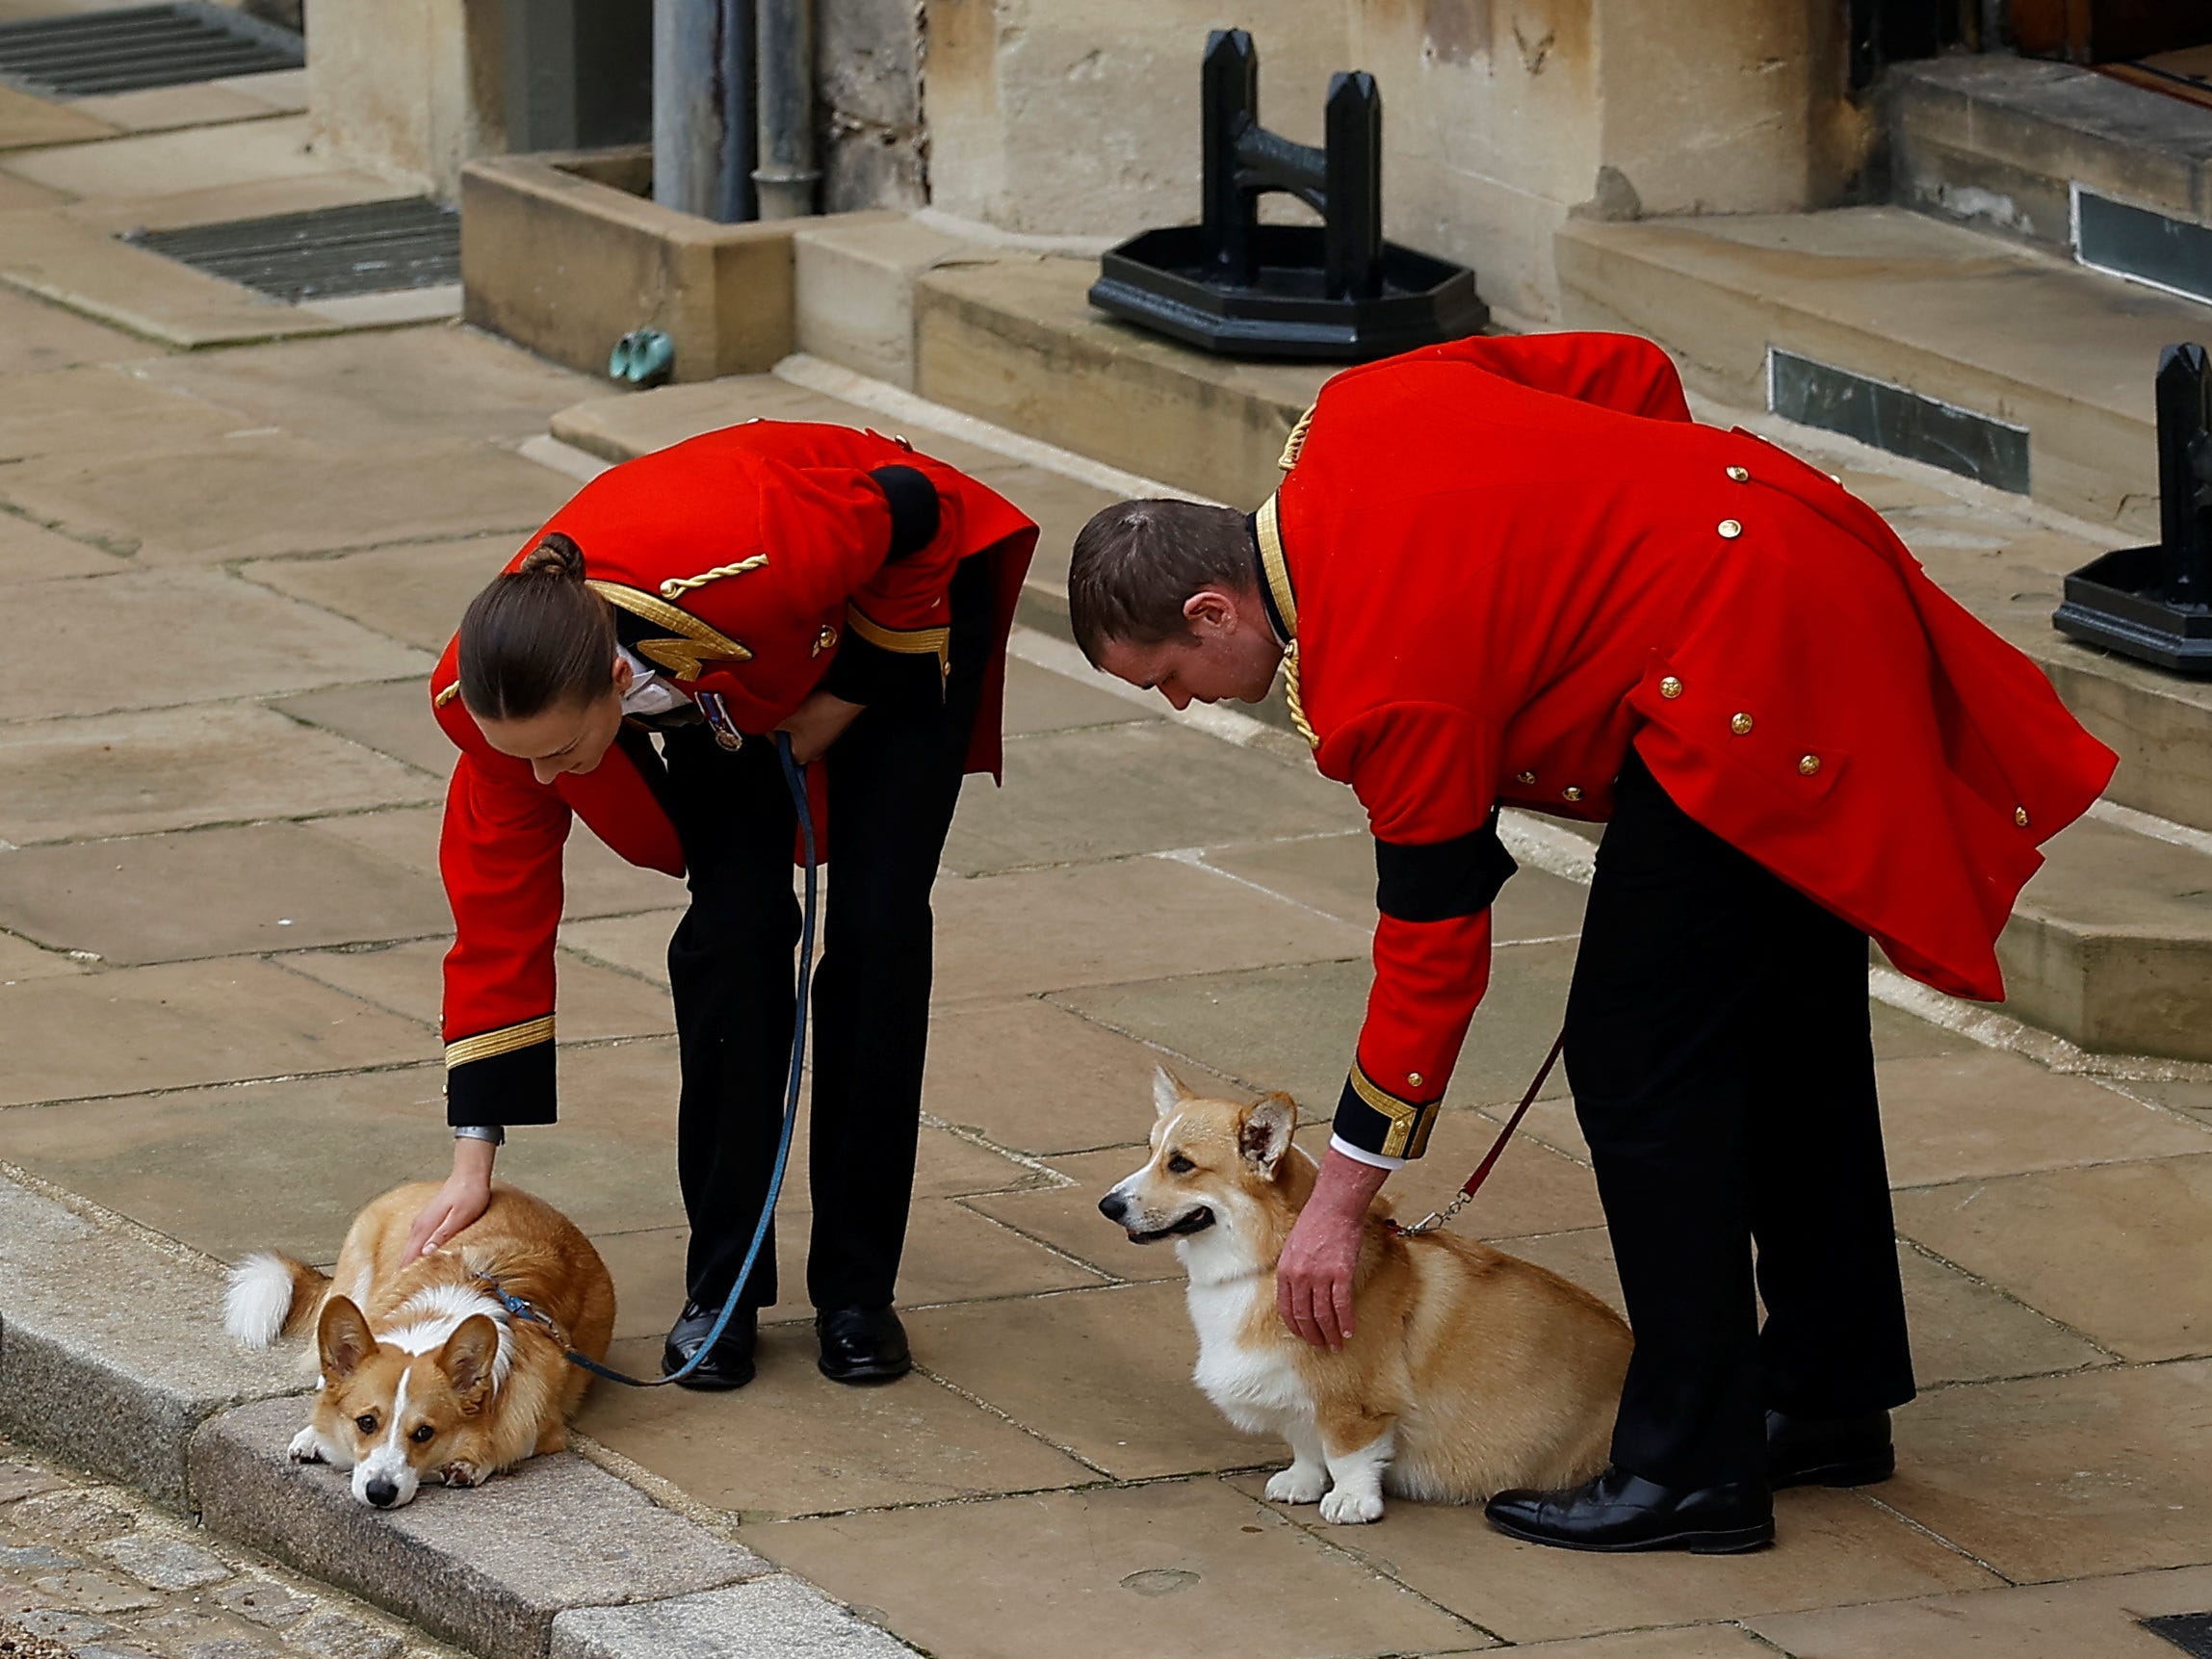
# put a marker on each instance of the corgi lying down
(424, 1371)
(1470, 1371)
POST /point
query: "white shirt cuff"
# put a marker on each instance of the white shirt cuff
(1381, 1160)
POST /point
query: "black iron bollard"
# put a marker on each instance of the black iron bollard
(2155, 603)
(2185, 473)
(1231, 284)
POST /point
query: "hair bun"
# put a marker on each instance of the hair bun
(556, 555)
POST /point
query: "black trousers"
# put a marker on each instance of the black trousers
(1721, 1054)
(893, 779)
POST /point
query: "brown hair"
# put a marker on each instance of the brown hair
(536, 636)
(1136, 562)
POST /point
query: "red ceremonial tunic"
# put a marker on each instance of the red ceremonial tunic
(1505, 560)
(748, 562)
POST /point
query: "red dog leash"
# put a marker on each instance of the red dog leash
(1436, 1218)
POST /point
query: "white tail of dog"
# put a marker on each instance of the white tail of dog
(272, 1296)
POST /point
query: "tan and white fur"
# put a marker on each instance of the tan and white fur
(423, 1371)
(1469, 1371)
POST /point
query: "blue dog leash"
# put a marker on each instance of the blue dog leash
(795, 778)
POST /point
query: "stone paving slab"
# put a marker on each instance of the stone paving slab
(1115, 790)
(213, 893)
(777, 1617)
(596, 1003)
(2094, 1472)
(31, 553)
(95, 408)
(161, 162)
(27, 122)
(191, 637)
(1104, 1374)
(176, 1024)
(87, 1365)
(597, 882)
(415, 592)
(488, 1568)
(402, 386)
(2093, 1616)
(1293, 1027)
(253, 497)
(1189, 1569)
(138, 772)
(392, 717)
(792, 1442)
(2119, 1251)
(1842, 1547)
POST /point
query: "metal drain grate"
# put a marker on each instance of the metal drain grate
(370, 249)
(2191, 1632)
(124, 51)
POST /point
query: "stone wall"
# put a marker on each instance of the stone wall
(1500, 117)
(409, 89)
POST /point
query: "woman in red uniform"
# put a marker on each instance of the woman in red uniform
(1515, 572)
(629, 668)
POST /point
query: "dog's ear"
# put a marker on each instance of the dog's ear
(1167, 1091)
(469, 1356)
(342, 1340)
(1263, 1136)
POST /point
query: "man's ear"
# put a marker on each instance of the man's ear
(1167, 1091)
(342, 1340)
(1263, 1136)
(1213, 608)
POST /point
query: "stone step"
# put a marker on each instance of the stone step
(2000, 362)
(2110, 947)
(2002, 143)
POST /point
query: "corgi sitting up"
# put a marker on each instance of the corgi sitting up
(424, 1370)
(1469, 1371)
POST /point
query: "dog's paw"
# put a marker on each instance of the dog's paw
(1341, 1507)
(459, 1473)
(1297, 1485)
(307, 1446)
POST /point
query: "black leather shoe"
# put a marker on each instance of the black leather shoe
(1827, 1451)
(1619, 1511)
(730, 1366)
(862, 1344)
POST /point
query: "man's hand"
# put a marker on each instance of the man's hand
(1313, 1279)
(465, 1196)
(816, 723)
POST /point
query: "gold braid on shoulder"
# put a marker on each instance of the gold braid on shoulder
(676, 584)
(1295, 699)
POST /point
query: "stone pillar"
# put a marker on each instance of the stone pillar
(1069, 117)
(409, 89)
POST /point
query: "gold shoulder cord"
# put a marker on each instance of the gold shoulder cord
(1295, 699)
(1278, 574)
(682, 584)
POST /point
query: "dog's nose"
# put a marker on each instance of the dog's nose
(1113, 1206)
(380, 1493)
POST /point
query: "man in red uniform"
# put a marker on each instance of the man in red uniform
(827, 582)
(1513, 571)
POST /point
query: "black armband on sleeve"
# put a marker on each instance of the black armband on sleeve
(914, 515)
(509, 1088)
(1443, 879)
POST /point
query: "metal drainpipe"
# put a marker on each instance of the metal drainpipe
(786, 176)
(703, 107)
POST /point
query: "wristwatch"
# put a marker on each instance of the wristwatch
(491, 1133)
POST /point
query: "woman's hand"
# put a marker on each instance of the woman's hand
(465, 1196)
(816, 723)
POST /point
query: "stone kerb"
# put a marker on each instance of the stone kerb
(112, 1351)
(490, 1569)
